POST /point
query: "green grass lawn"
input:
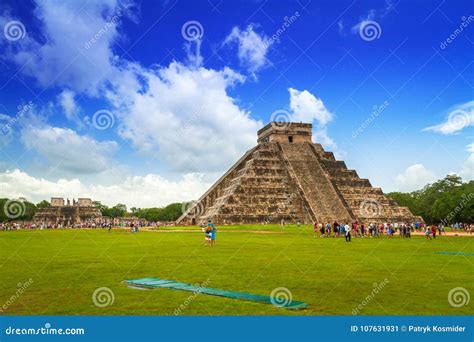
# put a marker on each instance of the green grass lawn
(330, 275)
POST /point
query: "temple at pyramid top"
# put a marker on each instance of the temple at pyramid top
(285, 132)
(288, 178)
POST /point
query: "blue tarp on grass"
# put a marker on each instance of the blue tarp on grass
(153, 283)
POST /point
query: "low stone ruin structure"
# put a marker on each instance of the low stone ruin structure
(288, 178)
(67, 213)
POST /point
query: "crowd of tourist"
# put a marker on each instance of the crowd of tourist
(404, 230)
(94, 224)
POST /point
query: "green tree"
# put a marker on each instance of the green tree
(119, 210)
(43, 204)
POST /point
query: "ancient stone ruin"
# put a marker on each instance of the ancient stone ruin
(67, 213)
(288, 178)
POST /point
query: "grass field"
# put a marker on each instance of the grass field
(330, 275)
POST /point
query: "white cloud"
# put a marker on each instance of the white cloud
(306, 107)
(66, 150)
(467, 172)
(184, 116)
(414, 177)
(252, 47)
(146, 191)
(369, 17)
(460, 117)
(76, 51)
(69, 106)
(340, 27)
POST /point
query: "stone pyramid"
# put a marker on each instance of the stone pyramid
(288, 177)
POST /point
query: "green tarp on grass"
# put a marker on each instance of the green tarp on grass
(456, 253)
(153, 283)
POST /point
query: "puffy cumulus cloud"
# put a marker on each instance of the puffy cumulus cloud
(64, 149)
(414, 177)
(306, 107)
(138, 191)
(252, 47)
(460, 117)
(67, 102)
(467, 172)
(76, 49)
(184, 116)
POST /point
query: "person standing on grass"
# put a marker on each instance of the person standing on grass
(433, 231)
(335, 228)
(213, 232)
(328, 229)
(207, 235)
(321, 229)
(427, 232)
(315, 229)
(347, 229)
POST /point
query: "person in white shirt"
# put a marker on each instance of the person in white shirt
(348, 232)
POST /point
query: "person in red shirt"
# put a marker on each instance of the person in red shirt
(354, 227)
(433, 231)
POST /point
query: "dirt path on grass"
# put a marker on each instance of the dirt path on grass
(220, 231)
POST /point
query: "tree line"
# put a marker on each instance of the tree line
(446, 201)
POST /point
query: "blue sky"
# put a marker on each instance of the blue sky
(148, 102)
